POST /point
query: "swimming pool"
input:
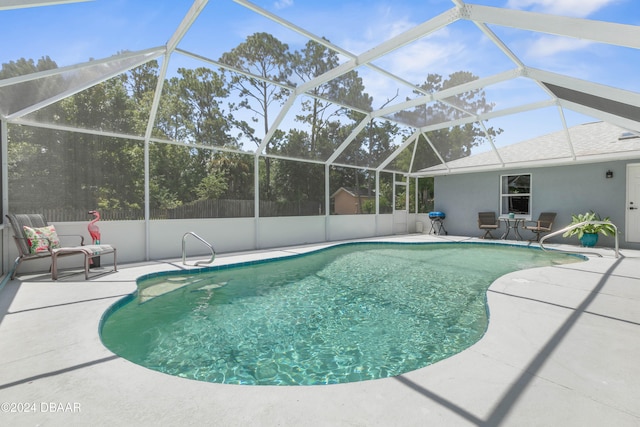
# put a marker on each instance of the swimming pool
(348, 313)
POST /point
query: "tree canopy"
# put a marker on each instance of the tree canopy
(207, 127)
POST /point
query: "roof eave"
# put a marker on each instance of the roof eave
(565, 161)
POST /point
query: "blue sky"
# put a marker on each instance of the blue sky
(74, 33)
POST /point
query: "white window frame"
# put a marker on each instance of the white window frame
(504, 210)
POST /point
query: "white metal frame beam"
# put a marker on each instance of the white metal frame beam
(145, 57)
(394, 43)
(567, 135)
(446, 93)
(585, 86)
(324, 42)
(19, 4)
(348, 140)
(597, 31)
(482, 16)
(433, 147)
(491, 115)
(152, 53)
(602, 115)
(187, 21)
(398, 150)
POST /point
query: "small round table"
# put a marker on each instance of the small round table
(511, 224)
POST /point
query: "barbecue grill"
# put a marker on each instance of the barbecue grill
(437, 223)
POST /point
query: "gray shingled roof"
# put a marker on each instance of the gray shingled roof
(590, 142)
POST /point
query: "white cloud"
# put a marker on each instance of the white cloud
(373, 35)
(547, 46)
(283, 4)
(415, 61)
(577, 8)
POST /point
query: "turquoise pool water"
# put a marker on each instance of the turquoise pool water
(349, 313)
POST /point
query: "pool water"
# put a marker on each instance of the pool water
(348, 313)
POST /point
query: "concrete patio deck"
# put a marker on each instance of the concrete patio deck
(561, 350)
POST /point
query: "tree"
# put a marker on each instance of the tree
(314, 60)
(237, 170)
(104, 172)
(379, 144)
(201, 91)
(191, 112)
(26, 94)
(298, 181)
(26, 66)
(141, 85)
(454, 142)
(345, 97)
(264, 56)
(211, 186)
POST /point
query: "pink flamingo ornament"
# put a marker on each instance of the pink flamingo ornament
(94, 231)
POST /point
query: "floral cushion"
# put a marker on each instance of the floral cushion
(41, 239)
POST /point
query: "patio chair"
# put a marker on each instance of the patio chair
(543, 224)
(487, 221)
(36, 239)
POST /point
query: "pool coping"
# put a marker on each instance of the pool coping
(560, 350)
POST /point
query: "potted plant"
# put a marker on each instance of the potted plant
(588, 233)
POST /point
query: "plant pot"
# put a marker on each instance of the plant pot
(589, 240)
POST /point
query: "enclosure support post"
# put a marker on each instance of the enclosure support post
(147, 173)
(256, 201)
(377, 202)
(327, 202)
(4, 140)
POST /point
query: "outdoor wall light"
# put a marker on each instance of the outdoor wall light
(609, 174)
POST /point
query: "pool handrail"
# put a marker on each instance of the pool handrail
(572, 226)
(184, 250)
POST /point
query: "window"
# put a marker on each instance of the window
(515, 194)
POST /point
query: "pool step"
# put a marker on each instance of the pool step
(172, 284)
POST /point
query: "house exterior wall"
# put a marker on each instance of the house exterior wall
(345, 204)
(565, 190)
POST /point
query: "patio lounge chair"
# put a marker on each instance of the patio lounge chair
(36, 239)
(542, 225)
(487, 221)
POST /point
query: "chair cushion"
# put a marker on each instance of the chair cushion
(88, 249)
(41, 239)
